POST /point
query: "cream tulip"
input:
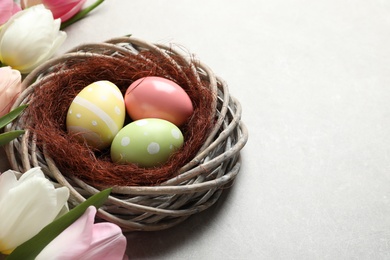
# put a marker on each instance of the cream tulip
(10, 88)
(27, 205)
(29, 38)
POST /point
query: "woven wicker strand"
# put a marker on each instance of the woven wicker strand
(197, 185)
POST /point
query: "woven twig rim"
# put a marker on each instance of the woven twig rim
(198, 184)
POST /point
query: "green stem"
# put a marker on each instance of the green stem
(81, 14)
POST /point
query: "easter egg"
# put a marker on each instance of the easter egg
(97, 114)
(147, 142)
(156, 97)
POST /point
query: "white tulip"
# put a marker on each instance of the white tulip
(29, 38)
(27, 205)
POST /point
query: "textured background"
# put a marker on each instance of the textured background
(313, 78)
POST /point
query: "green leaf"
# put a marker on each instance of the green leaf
(8, 118)
(7, 137)
(31, 248)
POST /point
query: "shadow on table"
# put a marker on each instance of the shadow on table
(157, 244)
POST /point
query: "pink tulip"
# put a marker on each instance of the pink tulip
(63, 9)
(7, 9)
(10, 88)
(86, 240)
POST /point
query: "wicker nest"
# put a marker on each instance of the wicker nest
(193, 187)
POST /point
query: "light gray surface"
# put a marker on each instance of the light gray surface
(313, 78)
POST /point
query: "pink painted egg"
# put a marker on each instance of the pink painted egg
(157, 97)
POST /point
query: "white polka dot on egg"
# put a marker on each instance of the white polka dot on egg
(94, 123)
(141, 122)
(78, 115)
(117, 110)
(153, 148)
(125, 141)
(175, 133)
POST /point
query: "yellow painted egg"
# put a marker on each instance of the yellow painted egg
(97, 114)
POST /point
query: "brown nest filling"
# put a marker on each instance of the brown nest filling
(49, 104)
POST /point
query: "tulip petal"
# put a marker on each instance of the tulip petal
(8, 180)
(86, 240)
(61, 194)
(8, 96)
(10, 85)
(31, 248)
(71, 12)
(108, 242)
(29, 38)
(28, 24)
(15, 8)
(7, 9)
(57, 42)
(64, 9)
(35, 37)
(38, 204)
(73, 241)
(32, 173)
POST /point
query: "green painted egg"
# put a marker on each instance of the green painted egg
(147, 142)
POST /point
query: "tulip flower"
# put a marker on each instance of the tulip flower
(63, 9)
(27, 205)
(29, 38)
(86, 240)
(69, 11)
(10, 88)
(7, 9)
